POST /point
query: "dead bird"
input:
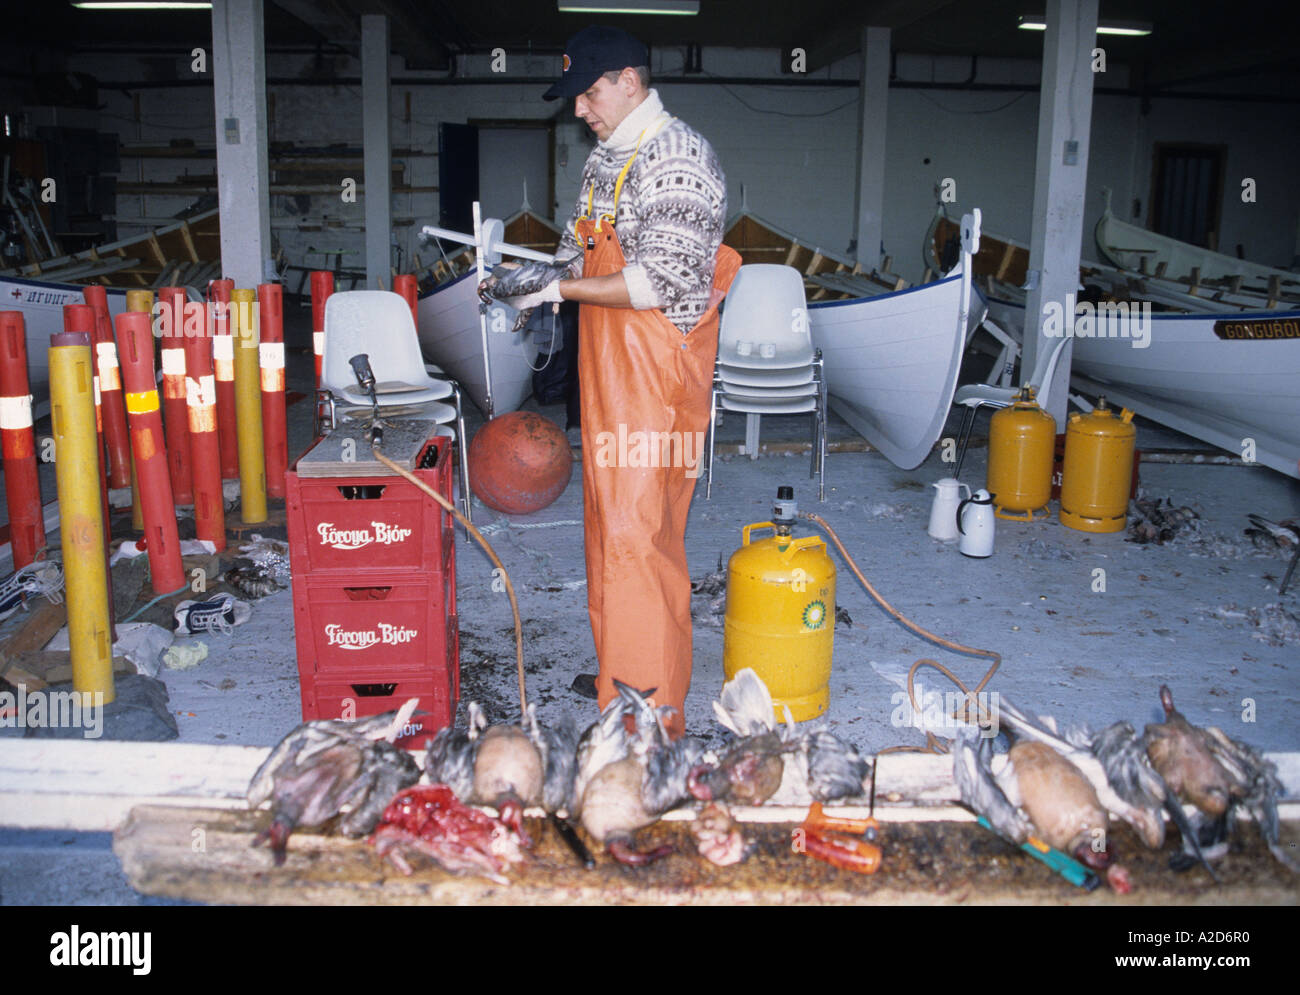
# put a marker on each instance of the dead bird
(626, 779)
(1158, 521)
(515, 279)
(1215, 774)
(1273, 536)
(328, 767)
(1038, 793)
(762, 758)
(250, 579)
(509, 767)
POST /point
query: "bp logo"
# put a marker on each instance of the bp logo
(814, 614)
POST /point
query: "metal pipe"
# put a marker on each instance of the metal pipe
(22, 484)
(248, 408)
(117, 437)
(223, 363)
(270, 352)
(205, 450)
(135, 348)
(81, 522)
(176, 419)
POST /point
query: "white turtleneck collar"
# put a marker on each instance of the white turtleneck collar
(624, 137)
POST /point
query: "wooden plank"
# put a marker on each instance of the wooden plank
(1004, 264)
(813, 264)
(157, 250)
(189, 241)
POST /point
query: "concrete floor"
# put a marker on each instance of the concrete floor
(1179, 614)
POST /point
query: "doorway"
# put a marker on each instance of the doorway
(1187, 192)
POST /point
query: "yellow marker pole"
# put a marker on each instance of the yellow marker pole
(138, 300)
(81, 513)
(248, 408)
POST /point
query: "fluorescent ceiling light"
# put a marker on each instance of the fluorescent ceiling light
(1134, 29)
(629, 7)
(143, 5)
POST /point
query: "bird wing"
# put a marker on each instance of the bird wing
(971, 759)
(745, 705)
(1257, 784)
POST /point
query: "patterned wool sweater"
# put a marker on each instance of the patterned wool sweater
(670, 213)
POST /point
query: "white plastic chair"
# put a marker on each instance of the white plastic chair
(765, 320)
(754, 402)
(379, 324)
(974, 396)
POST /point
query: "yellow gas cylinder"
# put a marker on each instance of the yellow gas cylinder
(780, 616)
(1098, 469)
(1022, 440)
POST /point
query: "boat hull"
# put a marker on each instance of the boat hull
(451, 337)
(41, 304)
(1197, 376)
(892, 361)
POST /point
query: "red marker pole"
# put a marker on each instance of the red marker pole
(117, 437)
(270, 353)
(22, 489)
(406, 285)
(176, 418)
(135, 350)
(205, 450)
(223, 364)
(322, 285)
(80, 319)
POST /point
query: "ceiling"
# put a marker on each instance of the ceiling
(1191, 42)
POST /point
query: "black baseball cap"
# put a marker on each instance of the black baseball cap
(591, 53)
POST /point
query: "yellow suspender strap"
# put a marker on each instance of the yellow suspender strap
(650, 131)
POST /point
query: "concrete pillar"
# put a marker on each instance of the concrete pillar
(1060, 175)
(239, 93)
(873, 107)
(377, 150)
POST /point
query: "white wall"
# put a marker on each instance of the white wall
(792, 148)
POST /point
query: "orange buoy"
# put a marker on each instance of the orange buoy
(519, 463)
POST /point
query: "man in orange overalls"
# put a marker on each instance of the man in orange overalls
(650, 274)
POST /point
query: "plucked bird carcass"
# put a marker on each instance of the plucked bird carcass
(1216, 775)
(331, 767)
(510, 767)
(763, 761)
(627, 778)
(431, 820)
(1038, 793)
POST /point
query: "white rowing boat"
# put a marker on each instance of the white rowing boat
(1132, 248)
(891, 353)
(452, 337)
(892, 361)
(1231, 379)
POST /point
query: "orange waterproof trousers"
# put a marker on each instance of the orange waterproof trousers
(645, 392)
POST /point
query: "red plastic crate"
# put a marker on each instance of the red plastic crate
(345, 524)
(375, 622)
(377, 694)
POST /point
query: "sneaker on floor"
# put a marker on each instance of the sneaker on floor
(42, 577)
(219, 614)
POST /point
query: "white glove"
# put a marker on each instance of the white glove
(550, 294)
